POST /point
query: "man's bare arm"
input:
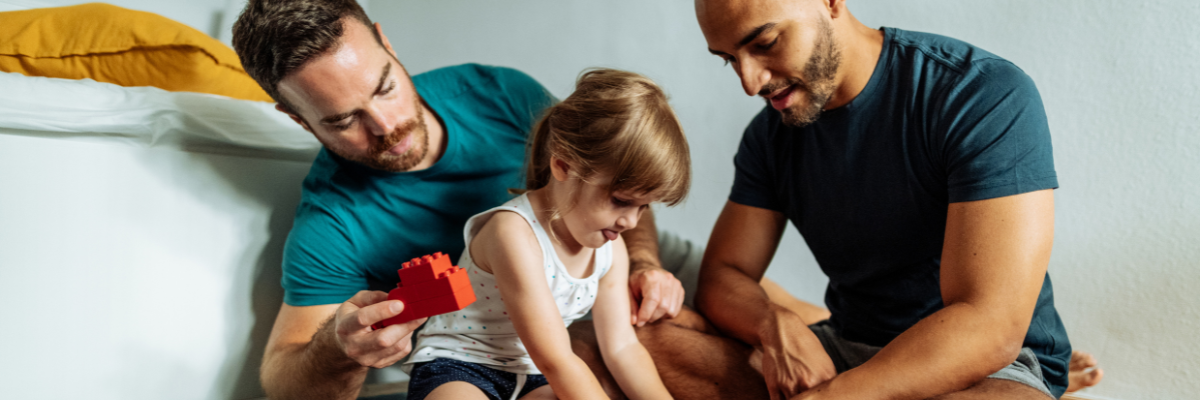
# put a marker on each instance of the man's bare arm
(993, 264)
(324, 352)
(656, 292)
(300, 361)
(741, 247)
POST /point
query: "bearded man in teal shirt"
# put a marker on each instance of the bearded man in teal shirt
(406, 161)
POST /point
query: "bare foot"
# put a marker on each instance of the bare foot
(1083, 372)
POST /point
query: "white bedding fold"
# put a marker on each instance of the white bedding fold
(149, 117)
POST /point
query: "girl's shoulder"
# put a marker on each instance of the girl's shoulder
(506, 236)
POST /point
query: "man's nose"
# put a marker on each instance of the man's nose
(753, 76)
(380, 122)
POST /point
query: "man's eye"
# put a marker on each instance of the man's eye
(341, 127)
(727, 60)
(768, 45)
(389, 88)
(620, 203)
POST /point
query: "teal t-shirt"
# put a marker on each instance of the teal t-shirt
(868, 185)
(356, 225)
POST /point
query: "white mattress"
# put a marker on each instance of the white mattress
(141, 234)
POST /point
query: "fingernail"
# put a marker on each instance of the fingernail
(396, 307)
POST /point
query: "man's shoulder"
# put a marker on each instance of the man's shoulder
(454, 80)
(933, 51)
(952, 69)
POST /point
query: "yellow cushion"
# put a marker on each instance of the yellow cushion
(130, 48)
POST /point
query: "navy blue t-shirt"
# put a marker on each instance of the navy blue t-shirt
(356, 225)
(869, 184)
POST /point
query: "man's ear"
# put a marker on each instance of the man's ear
(560, 169)
(294, 117)
(835, 7)
(383, 38)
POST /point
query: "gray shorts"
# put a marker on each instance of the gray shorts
(682, 258)
(847, 354)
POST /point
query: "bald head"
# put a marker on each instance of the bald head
(782, 50)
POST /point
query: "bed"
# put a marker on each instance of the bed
(140, 238)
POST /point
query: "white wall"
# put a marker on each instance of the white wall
(1118, 83)
(208, 16)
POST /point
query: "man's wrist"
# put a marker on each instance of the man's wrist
(643, 262)
(325, 355)
(769, 326)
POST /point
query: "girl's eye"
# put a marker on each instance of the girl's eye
(620, 203)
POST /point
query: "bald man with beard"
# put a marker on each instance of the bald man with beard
(920, 172)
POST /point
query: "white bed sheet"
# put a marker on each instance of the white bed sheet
(149, 117)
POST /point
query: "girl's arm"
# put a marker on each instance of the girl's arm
(506, 246)
(624, 355)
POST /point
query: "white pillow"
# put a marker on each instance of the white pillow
(149, 117)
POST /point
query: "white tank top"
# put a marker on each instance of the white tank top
(483, 332)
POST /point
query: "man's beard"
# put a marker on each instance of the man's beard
(818, 82)
(377, 155)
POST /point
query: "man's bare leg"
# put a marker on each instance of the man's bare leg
(696, 362)
(996, 389)
(692, 359)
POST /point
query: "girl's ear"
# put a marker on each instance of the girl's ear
(560, 169)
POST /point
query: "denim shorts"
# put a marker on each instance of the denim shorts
(496, 384)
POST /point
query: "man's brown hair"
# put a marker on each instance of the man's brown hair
(275, 37)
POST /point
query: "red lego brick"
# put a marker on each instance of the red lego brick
(435, 288)
(423, 269)
(429, 286)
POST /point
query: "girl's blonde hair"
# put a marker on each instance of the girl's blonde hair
(617, 122)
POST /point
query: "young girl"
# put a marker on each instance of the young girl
(596, 161)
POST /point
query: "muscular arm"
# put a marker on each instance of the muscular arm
(642, 242)
(301, 362)
(656, 292)
(994, 260)
(324, 352)
(740, 249)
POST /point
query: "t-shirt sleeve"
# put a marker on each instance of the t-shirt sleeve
(527, 99)
(996, 136)
(318, 263)
(753, 182)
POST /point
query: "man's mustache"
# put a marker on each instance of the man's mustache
(772, 87)
(394, 138)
